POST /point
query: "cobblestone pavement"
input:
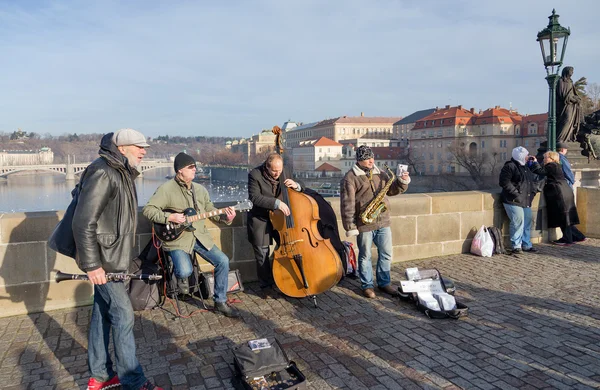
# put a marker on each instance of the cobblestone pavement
(534, 323)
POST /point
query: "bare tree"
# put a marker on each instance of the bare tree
(593, 93)
(411, 158)
(478, 165)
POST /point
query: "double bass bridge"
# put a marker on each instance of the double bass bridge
(288, 246)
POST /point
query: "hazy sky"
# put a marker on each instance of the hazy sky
(231, 68)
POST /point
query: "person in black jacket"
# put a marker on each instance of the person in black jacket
(104, 224)
(518, 190)
(264, 191)
(560, 201)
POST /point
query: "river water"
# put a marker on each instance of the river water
(49, 192)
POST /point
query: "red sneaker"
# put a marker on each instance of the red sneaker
(112, 383)
(149, 386)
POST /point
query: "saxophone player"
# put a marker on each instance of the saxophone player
(365, 214)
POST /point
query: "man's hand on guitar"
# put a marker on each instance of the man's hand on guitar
(177, 218)
(230, 213)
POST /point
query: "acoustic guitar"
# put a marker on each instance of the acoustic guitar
(170, 231)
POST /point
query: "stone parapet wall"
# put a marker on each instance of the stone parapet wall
(423, 225)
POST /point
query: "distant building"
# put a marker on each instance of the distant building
(401, 129)
(312, 154)
(389, 155)
(342, 128)
(532, 131)
(42, 156)
(495, 131)
(255, 147)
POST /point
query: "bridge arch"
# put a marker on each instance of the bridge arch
(72, 170)
(7, 171)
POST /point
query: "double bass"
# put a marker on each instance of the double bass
(305, 264)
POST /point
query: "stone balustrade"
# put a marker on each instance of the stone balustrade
(423, 225)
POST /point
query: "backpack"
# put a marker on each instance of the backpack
(61, 240)
(496, 234)
(144, 294)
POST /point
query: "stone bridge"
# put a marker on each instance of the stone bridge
(71, 170)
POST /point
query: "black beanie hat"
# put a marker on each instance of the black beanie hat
(182, 160)
(364, 152)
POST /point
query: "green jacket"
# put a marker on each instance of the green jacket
(176, 196)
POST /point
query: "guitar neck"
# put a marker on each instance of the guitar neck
(214, 213)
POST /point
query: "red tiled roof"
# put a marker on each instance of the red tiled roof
(450, 115)
(326, 122)
(324, 141)
(384, 120)
(535, 118)
(327, 167)
(497, 115)
(369, 119)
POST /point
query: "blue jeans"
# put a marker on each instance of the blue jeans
(182, 265)
(520, 226)
(382, 238)
(112, 310)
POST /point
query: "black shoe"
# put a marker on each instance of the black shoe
(561, 243)
(531, 250)
(184, 287)
(515, 251)
(226, 310)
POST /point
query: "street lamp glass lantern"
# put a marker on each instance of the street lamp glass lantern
(553, 43)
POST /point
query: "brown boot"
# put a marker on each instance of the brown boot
(389, 289)
(369, 293)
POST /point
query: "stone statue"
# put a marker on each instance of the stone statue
(589, 136)
(568, 107)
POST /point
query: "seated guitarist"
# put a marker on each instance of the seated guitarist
(179, 194)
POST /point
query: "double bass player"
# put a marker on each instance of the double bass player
(264, 192)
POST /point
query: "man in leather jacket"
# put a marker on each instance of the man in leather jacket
(518, 191)
(104, 224)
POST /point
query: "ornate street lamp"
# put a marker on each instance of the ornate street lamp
(553, 42)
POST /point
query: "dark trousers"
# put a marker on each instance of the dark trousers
(263, 266)
(577, 235)
(567, 234)
(571, 234)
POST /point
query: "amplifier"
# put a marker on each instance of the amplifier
(207, 283)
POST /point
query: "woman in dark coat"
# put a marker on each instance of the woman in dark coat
(560, 202)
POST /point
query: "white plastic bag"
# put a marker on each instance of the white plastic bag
(482, 244)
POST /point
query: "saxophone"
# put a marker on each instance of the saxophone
(377, 205)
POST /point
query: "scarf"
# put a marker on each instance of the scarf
(274, 182)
